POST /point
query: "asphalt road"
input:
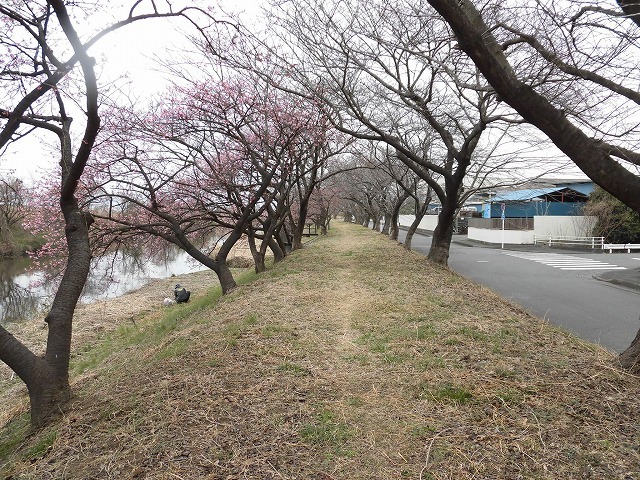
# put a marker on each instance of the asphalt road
(555, 284)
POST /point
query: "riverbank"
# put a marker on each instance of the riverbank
(351, 359)
(16, 242)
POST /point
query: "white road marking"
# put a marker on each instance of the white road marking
(565, 262)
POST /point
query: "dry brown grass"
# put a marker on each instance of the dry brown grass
(353, 359)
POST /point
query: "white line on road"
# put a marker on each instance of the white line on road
(602, 267)
(565, 262)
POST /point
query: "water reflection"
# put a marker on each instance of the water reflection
(24, 295)
(15, 295)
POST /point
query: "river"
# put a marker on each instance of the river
(24, 294)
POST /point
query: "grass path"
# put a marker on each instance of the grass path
(352, 359)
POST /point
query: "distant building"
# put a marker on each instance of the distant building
(561, 199)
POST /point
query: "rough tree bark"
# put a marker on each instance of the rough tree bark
(630, 358)
(395, 215)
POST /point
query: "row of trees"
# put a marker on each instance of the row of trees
(460, 77)
(227, 158)
(262, 132)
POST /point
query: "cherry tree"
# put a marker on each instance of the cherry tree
(386, 73)
(215, 164)
(318, 161)
(41, 50)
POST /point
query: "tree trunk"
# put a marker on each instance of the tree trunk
(278, 253)
(412, 230)
(48, 383)
(227, 282)
(258, 255)
(387, 223)
(296, 242)
(48, 387)
(395, 215)
(259, 263)
(630, 358)
(298, 230)
(441, 241)
(217, 264)
(48, 395)
(420, 213)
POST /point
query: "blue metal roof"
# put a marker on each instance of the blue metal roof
(524, 195)
(585, 188)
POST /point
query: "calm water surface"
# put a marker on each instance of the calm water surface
(24, 294)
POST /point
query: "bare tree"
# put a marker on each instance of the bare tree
(387, 73)
(12, 204)
(599, 130)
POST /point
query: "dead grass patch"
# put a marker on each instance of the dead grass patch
(352, 359)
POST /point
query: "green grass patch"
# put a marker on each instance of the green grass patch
(42, 445)
(273, 330)
(294, 369)
(176, 348)
(510, 396)
(232, 332)
(422, 431)
(472, 333)
(361, 359)
(13, 434)
(326, 430)
(374, 342)
(428, 361)
(142, 332)
(395, 358)
(444, 393)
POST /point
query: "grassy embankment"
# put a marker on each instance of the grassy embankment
(352, 359)
(16, 242)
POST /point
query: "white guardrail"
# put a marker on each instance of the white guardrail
(593, 242)
(621, 246)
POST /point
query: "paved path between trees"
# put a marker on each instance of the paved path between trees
(571, 295)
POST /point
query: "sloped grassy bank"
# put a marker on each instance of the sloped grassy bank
(352, 359)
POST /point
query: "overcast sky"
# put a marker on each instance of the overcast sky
(129, 52)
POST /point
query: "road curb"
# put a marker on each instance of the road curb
(617, 281)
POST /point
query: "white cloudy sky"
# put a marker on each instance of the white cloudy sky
(130, 52)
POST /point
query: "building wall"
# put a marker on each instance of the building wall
(573, 226)
(564, 225)
(429, 222)
(567, 225)
(531, 209)
(511, 237)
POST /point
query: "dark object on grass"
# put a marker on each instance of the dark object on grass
(182, 294)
